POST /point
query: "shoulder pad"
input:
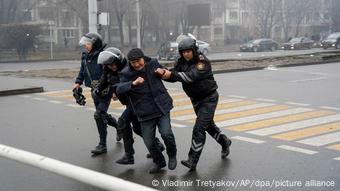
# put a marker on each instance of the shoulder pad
(201, 58)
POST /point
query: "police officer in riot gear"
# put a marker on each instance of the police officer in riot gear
(193, 69)
(90, 72)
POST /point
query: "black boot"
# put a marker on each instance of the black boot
(99, 149)
(172, 162)
(126, 159)
(225, 147)
(189, 163)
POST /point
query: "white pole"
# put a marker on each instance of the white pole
(92, 8)
(50, 23)
(87, 176)
(138, 24)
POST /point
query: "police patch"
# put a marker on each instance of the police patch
(200, 66)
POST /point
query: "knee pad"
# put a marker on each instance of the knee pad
(97, 115)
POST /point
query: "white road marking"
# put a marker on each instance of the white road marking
(338, 158)
(25, 96)
(331, 108)
(55, 101)
(295, 125)
(297, 149)
(298, 104)
(265, 100)
(262, 116)
(247, 139)
(310, 79)
(225, 111)
(178, 125)
(182, 99)
(189, 105)
(116, 114)
(236, 96)
(74, 105)
(322, 140)
(39, 99)
(90, 109)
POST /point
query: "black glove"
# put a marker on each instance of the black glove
(78, 95)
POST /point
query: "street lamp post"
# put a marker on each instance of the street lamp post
(138, 24)
(50, 24)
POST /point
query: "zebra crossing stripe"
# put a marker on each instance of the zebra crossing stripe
(334, 147)
(322, 140)
(220, 106)
(181, 99)
(74, 105)
(279, 120)
(56, 101)
(261, 117)
(184, 107)
(338, 158)
(58, 92)
(177, 125)
(179, 96)
(303, 133)
(255, 109)
(39, 99)
(225, 111)
(181, 103)
(297, 149)
(295, 125)
(247, 139)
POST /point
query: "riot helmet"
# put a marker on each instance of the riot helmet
(94, 38)
(188, 44)
(110, 56)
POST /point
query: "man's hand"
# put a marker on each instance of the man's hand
(76, 86)
(138, 81)
(159, 72)
(166, 75)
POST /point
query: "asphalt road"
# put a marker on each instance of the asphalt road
(301, 102)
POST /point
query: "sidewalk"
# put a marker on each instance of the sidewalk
(15, 86)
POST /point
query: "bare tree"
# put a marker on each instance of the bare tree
(265, 15)
(22, 37)
(335, 15)
(301, 10)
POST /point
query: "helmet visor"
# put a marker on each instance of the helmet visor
(107, 57)
(85, 40)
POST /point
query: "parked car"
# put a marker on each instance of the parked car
(333, 40)
(168, 51)
(298, 43)
(204, 47)
(259, 45)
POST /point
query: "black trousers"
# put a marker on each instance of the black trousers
(205, 112)
(101, 116)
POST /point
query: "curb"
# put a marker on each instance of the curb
(21, 91)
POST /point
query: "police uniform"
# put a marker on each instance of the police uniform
(90, 70)
(199, 84)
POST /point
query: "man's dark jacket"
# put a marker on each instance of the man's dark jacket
(150, 99)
